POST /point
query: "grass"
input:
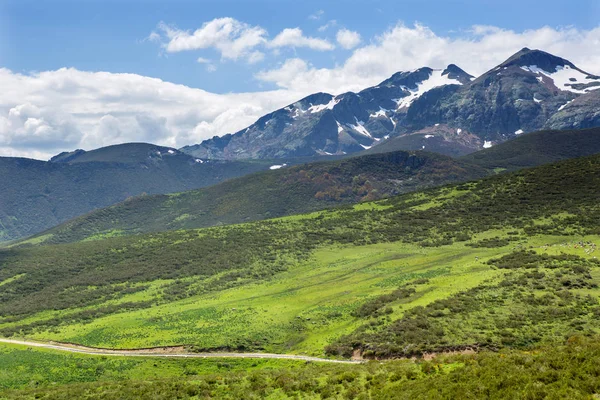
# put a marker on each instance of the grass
(22, 367)
(566, 370)
(508, 263)
(301, 310)
(295, 284)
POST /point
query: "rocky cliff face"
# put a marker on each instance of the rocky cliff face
(529, 91)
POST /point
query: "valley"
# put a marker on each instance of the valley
(420, 232)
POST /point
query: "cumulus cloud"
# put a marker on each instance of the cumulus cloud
(408, 47)
(348, 39)
(44, 113)
(293, 37)
(232, 38)
(26, 125)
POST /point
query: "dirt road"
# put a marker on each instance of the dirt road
(169, 352)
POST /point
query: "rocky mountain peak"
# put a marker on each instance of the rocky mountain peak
(448, 105)
(545, 61)
(456, 73)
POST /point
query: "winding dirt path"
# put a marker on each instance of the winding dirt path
(168, 352)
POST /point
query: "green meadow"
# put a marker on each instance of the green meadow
(299, 310)
(304, 308)
(505, 267)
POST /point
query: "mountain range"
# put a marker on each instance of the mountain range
(447, 110)
(316, 186)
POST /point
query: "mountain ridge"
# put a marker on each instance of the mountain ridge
(270, 194)
(522, 94)
(40, 194)
(319, 185)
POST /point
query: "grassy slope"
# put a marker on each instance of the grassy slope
(298, 283)
(270, 194)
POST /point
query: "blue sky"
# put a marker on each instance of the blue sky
(109, 35)
(90, 73)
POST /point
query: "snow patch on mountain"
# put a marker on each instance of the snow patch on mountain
(277, 166)
(565, 77)
(564, 105)
(359, 127)
(320, 107)
(381, 113)
(435, 79)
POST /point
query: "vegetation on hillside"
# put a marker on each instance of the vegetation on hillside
(37, 195)
(318, 186)
(271, 194)
(51, 287)
(538, 148)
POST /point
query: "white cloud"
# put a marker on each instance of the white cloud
(330, 24)
(348, 39)
(405, 48)
(210, 67)
(26, 125)
(293, 37)
(232, 38)
(317, 15)
(44, 113)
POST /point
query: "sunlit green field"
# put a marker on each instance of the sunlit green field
(303, 309)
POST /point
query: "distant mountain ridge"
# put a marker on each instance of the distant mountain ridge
(531, 90)
(270, 194)
(36, 195)
(319, 185)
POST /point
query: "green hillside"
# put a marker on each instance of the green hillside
(352, 278)
(538, 148)
(270, 194)
(37, 195)
(318, 186)
(498, 277)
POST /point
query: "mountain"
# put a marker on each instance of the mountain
(530, 91)
(270, 194)
(325, 124)
(36, 195)
(319, 185)
(520, 95)
(128, 153)
(582, 112)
